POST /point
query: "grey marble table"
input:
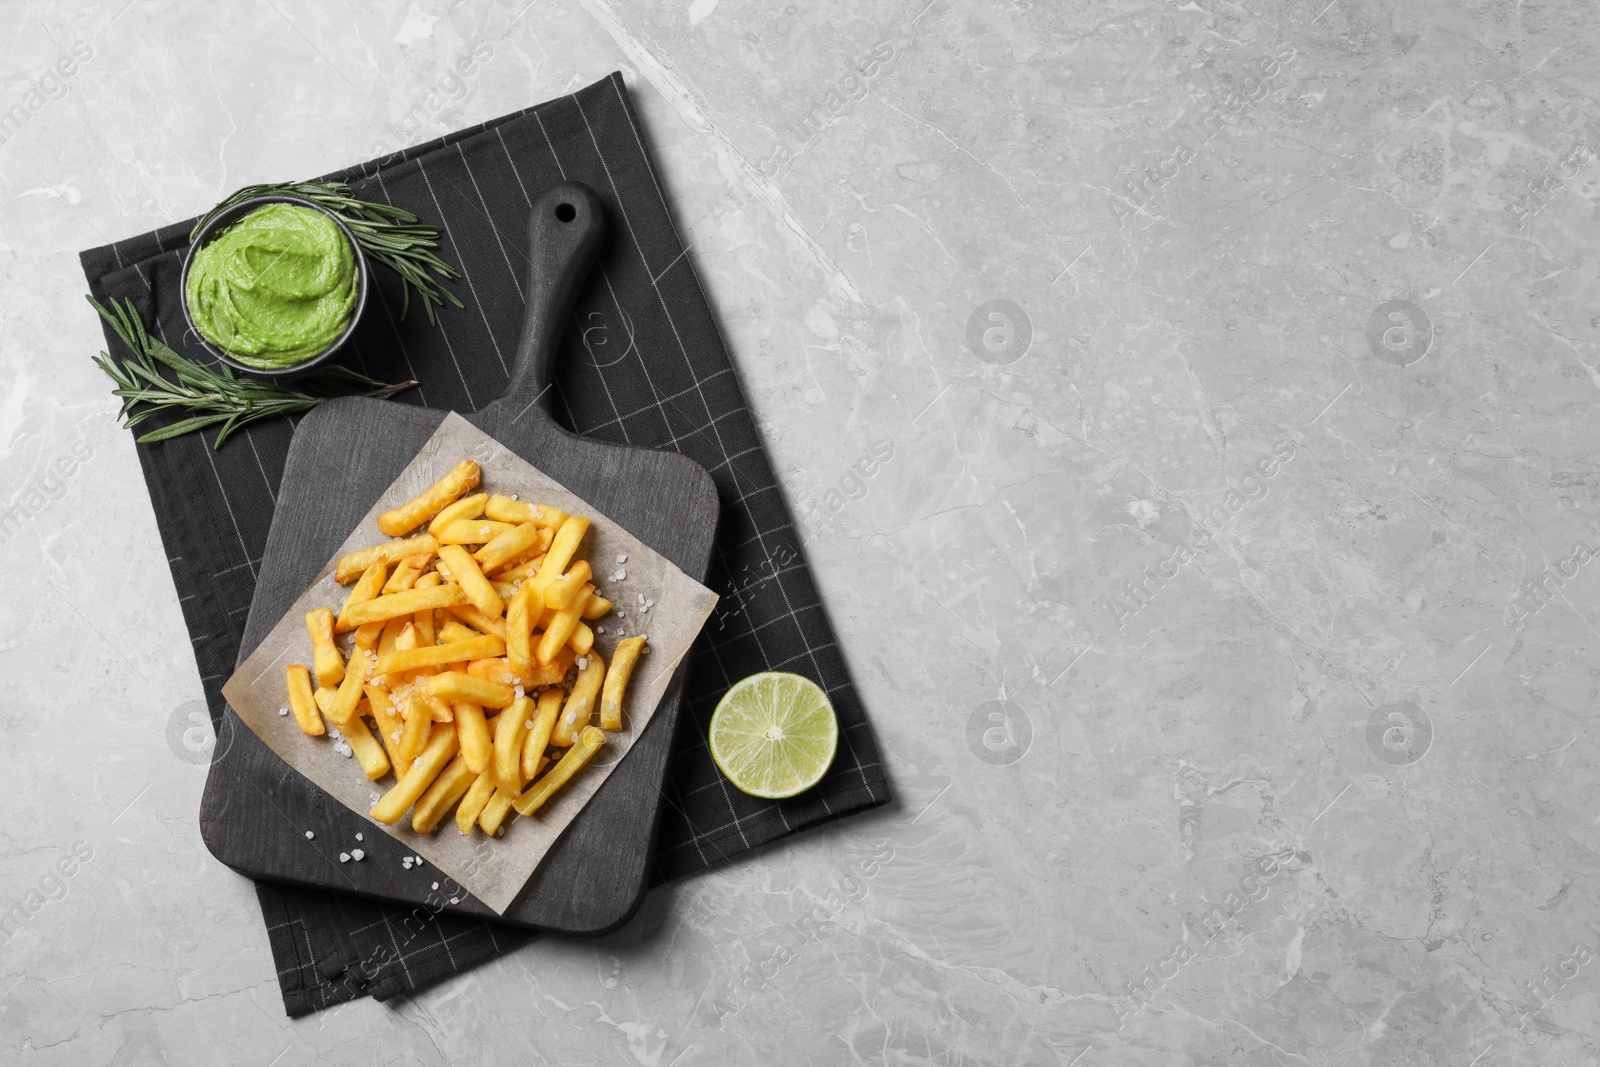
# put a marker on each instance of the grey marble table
(1190, 407)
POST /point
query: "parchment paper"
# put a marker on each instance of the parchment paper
(495, 870)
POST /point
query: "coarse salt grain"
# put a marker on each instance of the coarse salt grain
(417, 860)
(621, 614)
(283, 711)
(359, 837)
(357, 855)
(436, 885)
(528, 724)
(310, 835)
(620, 576)
(582, 662)
(513, 497)
(599, 629)
(572, 717)
(344, 857)
(406, 862)
(622, 557)
(519, 691)
(455, 900)
(645, 608)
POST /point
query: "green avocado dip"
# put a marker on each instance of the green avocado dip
(275, 288)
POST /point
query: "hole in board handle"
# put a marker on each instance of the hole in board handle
(566, 212)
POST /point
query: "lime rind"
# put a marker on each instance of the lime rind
(774, 735)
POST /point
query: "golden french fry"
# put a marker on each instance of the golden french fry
(527, 568)
(441, 710)
(423, 621)
(473, 531)
(544, 721)
(468, 507)
(452, 783)
(475, 647)
(519, 630)
(622, 661)
(478, 620)
(582, 752)
(364, 592)
(390, 634)
(429, 580)
(452, 631)
(355, 564)
(507, 510)
(440, 751)
(598, 606)
(579, 708)
(302, 702)
(391, 727)
(383, 608)
(368, 750)
(406, 573)
(413, 513)
(419, 722)
(507, 546)
(343, 706)
(582, 639)
(326, 663)
(560, 627)
(560, 593)
(499, 670)
(457, 685)
(473, 803)
(473, 733)
(367, 636)
(508, 742)
(495, 812)
(465, 574)
(562, 548)
(324, 698)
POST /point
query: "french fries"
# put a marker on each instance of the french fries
(468, 507)
(327, 666)
(588, 744)
(473, 531)
(507, 546)
(505, 509)
(355, 564)
(302, 702)
(469, 580)
(368, 587)
(469, 651)
(398, 800)
(508, 741)
(413, 513)
(435, 655)
(394, 605)
(474, 734)
(544, 722)
(622, 661)
(579, 706)
(451, 785)
(349, 692)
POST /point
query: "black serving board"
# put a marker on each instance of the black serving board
(256, 808)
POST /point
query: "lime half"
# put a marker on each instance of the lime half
(774, 734)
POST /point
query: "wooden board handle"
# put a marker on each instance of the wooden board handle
(565, 230)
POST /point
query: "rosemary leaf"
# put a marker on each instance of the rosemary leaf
(211, 394)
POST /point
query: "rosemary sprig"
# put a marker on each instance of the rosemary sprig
(388, 234)
(214, 394)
